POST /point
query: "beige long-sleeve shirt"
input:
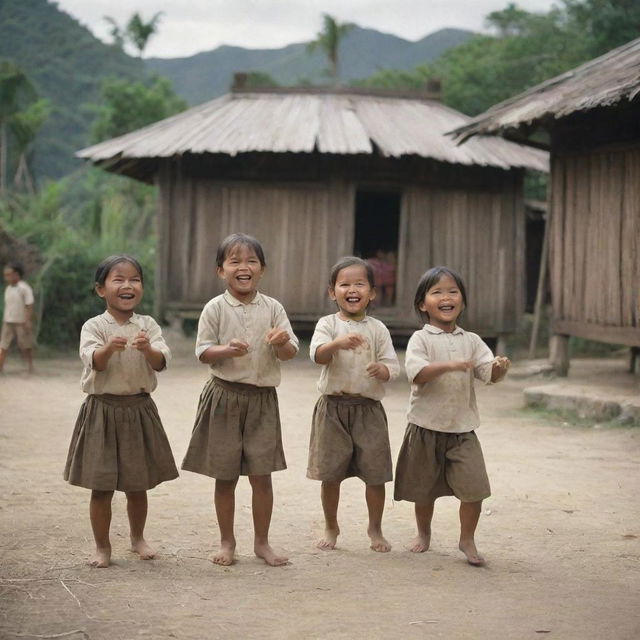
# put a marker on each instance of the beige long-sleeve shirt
(128, 371)
(225, 318)
(347, 370)
(447, 403)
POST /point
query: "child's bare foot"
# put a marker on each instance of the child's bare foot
(225, 555)
(328, 542)
(263, 550)
(378, 541)
(142, 549)
(468, 547)
(102, 558)
(420, 543)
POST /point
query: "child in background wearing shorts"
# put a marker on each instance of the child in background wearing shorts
(441, 454)
(18, 313)
(349, 435)
(242, 335)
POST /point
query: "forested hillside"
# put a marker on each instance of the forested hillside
(363, 52)
(67, 64)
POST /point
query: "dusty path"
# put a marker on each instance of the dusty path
(561, 533)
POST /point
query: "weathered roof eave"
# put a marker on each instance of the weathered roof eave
(603, 82)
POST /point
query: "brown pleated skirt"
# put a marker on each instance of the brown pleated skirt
(237, 432)
(119, 444)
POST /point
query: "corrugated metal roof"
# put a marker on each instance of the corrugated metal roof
(331, 123)
(601, 82)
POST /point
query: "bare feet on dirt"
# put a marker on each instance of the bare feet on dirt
(328, 542)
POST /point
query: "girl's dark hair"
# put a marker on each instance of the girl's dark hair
(17, 267)
(236, 239)
(108, 263)
(431, 278)
(350, 261)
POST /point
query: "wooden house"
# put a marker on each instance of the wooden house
(317, 173)
(589, 118)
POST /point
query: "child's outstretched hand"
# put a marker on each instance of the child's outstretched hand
(378, 370)
(117, 343)
(277, 337)
(500, 367)
(141, 341)
(351, 341)
(238, 348)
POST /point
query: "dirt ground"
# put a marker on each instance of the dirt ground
(561, 532)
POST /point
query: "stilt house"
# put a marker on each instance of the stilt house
(318, 173)
(589, 118)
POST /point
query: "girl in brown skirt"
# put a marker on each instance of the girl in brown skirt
(242, 335)
(440, 454)
(349, 433)
(118, 442)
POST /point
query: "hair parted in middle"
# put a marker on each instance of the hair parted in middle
(351, 261)
(239, 239)
(429, 279)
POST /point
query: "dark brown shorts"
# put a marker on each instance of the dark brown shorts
(349, 437)
(237, 432)
(435, 463)
(119, 443)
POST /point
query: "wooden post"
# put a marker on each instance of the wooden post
(559, 354)
(542, 274)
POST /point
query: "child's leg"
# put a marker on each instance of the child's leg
(100, 516)
(137, 512)
(225, 502)
(3, 355)
(330, 498)
(469, 516)
(374, 495)
(262, 506)
(424, 514)
(27, 354)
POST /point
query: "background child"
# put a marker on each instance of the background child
(18, 312)
(440, 454)
(349, 436)
(118, 442)
(242, 335)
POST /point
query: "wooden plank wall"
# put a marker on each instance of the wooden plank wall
(290, 221)
(595, 244)
(478, 234)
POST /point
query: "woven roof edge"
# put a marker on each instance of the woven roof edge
(497, 119)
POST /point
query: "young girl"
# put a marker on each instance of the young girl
(242, 336)
(440, 454)
(349, 436)
(118, 442)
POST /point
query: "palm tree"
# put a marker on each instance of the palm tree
(328, 39)
(138, 32)
(15, 89)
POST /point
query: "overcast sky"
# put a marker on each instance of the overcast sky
(191, 26)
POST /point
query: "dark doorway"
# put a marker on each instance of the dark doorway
(376, 238)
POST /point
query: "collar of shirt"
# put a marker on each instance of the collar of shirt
(365, 319)
(134, 319)
(435, 330)
(234, 302)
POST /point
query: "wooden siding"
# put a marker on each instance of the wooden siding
(478, 234)
(306, 227)
(595, 244)
(290, 220)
